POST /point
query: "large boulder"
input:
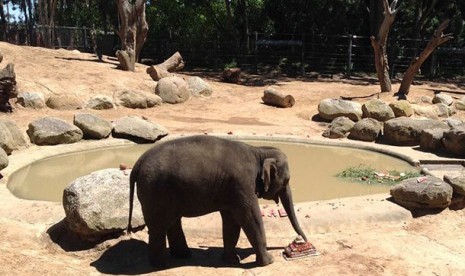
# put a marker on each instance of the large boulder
(452, 121)
(64, 102)
(430, 139)
(32, 100)
(458, 186)
(330, 109)
(3, 159)
(97, 205)
(100, 102)
(443, 98)
(11, 137)
(367, 129)
(138, 129)
(198, 87)
(53, 131)
(457, 183)
(378, 110)
(173, 90)
(460, 104)
(339, 128)
(427, 192)
(92, 126)
(401, 108)
(434, 111)
(454, 140)
(404, 131)
(137, 99)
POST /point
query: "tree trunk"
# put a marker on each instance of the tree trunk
(437, 40)
(159, 71)
(132, 32)
(2, 22)
(379, 41)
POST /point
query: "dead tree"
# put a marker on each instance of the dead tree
(132, 32)
(7, 87)
(437, 40)
(379, 44)
(165, 69)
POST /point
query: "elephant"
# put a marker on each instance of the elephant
(196, 175)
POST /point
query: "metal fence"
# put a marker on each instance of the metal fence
(290, 54)
(305, 54)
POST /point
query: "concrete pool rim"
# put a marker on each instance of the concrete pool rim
(22, 158)
(369, 208)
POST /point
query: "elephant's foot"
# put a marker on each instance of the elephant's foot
(180, 253)
(231, 258)
(265, 260)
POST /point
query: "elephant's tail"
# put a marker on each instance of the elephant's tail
(132, 183)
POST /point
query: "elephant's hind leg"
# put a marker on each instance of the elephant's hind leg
(177, 241)
(231, 232)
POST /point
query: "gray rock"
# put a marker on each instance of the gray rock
(426, 99)
(3, 159)
(430, 139)
(97, 204)
(11, 137)
(339, 128)
(451, 121)
(198, 87)
(443, 98)
(454, 140)
(402, 108)
(100, 102)
(330, 109)
(457, 183)
(378, 110)
(431, 193)
(435, 111)
(64, 102)
(367, 129)
(53, 131)
(444, 111)
(137, 129)
(137, 99)
(92, 126)
(32, 100)
(404, 131)
(173, 90)
(460, 104)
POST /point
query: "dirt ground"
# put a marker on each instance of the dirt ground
(33, 241)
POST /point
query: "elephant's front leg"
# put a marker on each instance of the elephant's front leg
(231, 232)
(251, 222)
(177, 241)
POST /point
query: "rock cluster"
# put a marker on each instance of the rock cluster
(399, 123)
(54, 131)
(430, 193)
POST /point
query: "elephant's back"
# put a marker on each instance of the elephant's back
(195, 160)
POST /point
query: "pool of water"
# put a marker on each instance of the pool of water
(313, 169)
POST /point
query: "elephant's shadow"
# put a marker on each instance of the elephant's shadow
(131, 257)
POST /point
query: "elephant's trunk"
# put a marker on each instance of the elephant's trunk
(286, 200)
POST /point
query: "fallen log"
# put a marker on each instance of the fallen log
(165, 69)
(274, 98)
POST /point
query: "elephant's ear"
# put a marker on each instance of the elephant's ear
(268, 172)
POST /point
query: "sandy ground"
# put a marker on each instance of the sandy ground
(355, 236)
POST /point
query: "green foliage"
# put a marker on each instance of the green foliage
(369, 175)
(232, 64)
